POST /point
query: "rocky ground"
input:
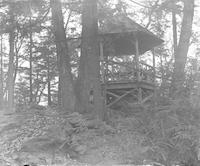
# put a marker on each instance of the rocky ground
(37, 138)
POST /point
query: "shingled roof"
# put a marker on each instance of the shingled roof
(124, 32)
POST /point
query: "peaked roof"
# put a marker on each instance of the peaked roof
(125, 32)
(120, 24)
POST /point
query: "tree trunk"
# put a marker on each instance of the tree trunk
(174, 24)
(66, 89)
(88, 84)
(48, 81)
(1, 76)
(16, 64)
(30, 64)
(10, 79)
(183, 46)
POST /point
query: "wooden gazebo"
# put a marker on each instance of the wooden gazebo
(124, 76)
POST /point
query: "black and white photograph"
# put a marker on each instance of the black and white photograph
(99, 82)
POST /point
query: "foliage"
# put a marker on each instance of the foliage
(164, 134)
(43, 136)
(168, 133)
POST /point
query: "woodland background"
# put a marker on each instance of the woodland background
(45, 115)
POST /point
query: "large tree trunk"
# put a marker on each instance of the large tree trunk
(183, 46)
(174, 24)
(66, 89)
(10, 79)
(48, 81)
(30, 63)
(88, 84)
(1, 76)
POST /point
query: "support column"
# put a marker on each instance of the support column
(154, 76)
(138, 78)
(103, 61)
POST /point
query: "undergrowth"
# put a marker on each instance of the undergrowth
(166, 135)
(48, 137)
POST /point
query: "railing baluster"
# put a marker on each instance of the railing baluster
(126, 71)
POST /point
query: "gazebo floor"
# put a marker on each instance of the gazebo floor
(128, 85)
(130, 92)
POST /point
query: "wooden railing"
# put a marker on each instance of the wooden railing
(127, 72)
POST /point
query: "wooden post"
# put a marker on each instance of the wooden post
(106, 69)
(107, 113)
(154, 76)
(138, 79)
(137, 60)
(104, 80)
(102, 61)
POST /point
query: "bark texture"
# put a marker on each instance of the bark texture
(174, 24)
(88, 87)
(1, 75)
(48, 81)
(30, 63)
(183, 46)
(66, 89)
(10, 79)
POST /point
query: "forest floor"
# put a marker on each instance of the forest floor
(137, 135)
(44, 137)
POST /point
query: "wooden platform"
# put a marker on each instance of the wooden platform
(127, 81)
(128, 85)
(129, 92)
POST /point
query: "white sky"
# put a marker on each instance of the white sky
(196, 25)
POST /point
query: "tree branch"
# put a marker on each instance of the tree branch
(153, 9)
